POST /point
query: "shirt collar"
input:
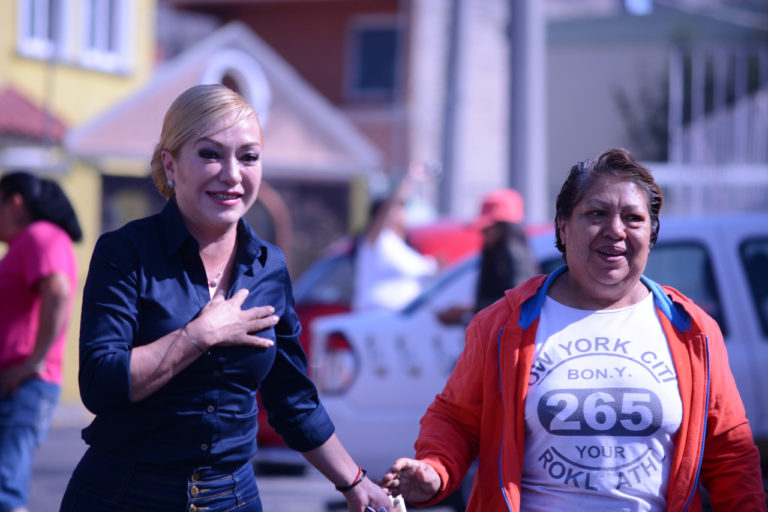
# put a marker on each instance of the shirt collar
(176, 234)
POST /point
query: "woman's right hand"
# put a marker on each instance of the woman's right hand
(221, 322)
(417, 481)
(224, 322)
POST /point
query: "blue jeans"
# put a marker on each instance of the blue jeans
(105, 483)
(25, 418)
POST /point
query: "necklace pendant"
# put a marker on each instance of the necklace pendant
(213, 283)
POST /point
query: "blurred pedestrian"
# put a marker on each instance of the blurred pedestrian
(389, 273)
(506, 259)
(38, 283)
(186, 315)
(591, 388)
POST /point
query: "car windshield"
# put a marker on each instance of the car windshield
(326, 282)
(441, 282)
(687, 266)
(754, 256)
(461, 270)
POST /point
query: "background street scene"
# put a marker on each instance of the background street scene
(455, 98)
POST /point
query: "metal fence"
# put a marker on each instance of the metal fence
(718, 105)
(718, 130)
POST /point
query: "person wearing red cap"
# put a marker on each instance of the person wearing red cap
(506, 259)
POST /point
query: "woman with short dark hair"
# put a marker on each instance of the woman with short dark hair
(593, 387)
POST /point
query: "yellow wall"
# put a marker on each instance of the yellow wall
(73, 93)
(7, 34)
(83, 187)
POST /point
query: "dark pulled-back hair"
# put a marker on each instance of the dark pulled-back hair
(615, 162)
(44, 200)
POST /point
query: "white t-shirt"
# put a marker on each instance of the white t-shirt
(601, 412)
(389, 273)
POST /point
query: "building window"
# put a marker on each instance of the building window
(41, 26)
(90, 33)
(105, 24)
(373, 59)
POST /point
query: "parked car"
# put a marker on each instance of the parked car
(326, 288)
(378, 372)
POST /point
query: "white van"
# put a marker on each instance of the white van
(378, 372)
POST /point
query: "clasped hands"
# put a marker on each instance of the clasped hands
(410, 479)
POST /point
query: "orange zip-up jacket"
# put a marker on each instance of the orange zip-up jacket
(480, 412)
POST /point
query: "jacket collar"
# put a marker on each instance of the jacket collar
(531, 306)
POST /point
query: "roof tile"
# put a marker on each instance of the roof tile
(21, 117)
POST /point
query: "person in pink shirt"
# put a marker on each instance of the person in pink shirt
(38, 283)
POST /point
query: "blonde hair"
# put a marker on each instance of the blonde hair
(191, 115)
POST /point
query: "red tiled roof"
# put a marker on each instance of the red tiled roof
(21, 117)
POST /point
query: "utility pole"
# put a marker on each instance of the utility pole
(527, 113)
(451, 100)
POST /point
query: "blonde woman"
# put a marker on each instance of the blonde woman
(186, 315)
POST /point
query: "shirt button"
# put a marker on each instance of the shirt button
(195, 476)
(204, 447)
(192, 508)
(194, 491)
(210, 408)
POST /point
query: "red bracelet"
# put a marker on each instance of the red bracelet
(359, 478)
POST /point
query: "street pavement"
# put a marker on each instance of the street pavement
(62, 449)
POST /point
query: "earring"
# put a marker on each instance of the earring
(171, 183)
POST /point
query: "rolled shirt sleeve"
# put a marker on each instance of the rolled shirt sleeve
(289, 396)
(108, 325)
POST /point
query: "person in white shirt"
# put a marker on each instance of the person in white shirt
(389, 273)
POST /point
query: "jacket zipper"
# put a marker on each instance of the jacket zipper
(703, 432)
(501, 448)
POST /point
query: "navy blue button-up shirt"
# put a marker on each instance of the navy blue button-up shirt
(145, 280)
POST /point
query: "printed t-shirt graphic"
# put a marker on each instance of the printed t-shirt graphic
(601, 411)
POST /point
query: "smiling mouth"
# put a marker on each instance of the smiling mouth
(611, 253)
(223, 195)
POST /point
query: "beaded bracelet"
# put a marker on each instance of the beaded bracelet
(359, 478)
(194, 341)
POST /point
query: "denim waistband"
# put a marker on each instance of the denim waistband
(117, 484)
